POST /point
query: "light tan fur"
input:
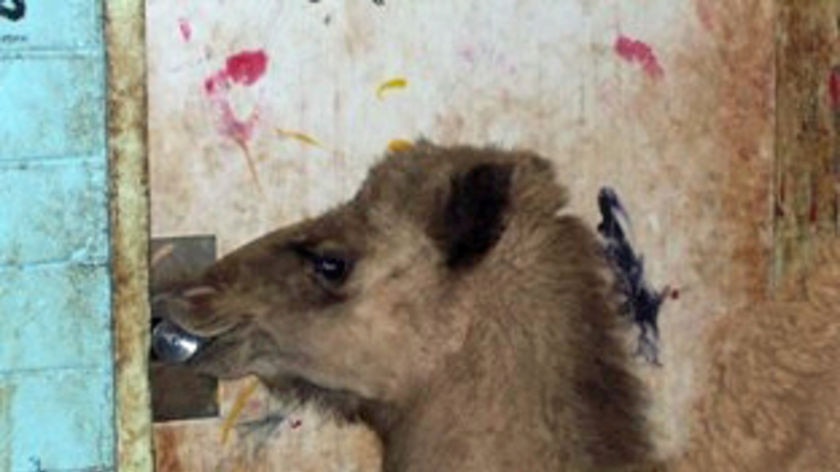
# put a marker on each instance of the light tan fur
(771, 398)
(513, 361)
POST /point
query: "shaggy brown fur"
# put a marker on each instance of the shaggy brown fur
(771, 394)
(471, 328)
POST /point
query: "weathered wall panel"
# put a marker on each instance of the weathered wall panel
(671, 102)
(56, 385)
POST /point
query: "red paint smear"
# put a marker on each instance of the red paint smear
(782, 189)
(239, 130)
(216, 83)
(185, 28)
(834, 88)
(247, 67)
(675, 294)
(812, 212)
(633, 50)
(244, 68)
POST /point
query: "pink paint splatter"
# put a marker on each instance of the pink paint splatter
(237, 129)
(244, 68)
(834, 88)
(185, 28)
(247, 67)
(633, 50)
(217, 82)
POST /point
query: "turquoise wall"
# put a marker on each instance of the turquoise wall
(56, 373)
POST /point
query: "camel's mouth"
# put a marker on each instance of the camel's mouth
(171, 343)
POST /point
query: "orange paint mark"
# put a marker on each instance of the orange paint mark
(395, 83)
(400, 145)
(236, 410)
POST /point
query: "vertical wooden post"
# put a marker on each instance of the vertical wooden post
(805, 198)
(125, 35)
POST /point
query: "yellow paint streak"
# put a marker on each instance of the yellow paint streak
(302, 137)
(236, 410)
(395, 83)
(400, 145)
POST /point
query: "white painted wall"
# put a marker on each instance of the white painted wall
(686, 138)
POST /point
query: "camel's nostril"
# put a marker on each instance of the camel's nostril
(173, 344)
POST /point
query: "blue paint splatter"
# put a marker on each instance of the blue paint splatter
(641, 302)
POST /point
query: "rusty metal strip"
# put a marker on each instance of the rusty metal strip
(127, 109)
(804, 200)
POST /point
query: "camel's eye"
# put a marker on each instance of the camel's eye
(331, 269)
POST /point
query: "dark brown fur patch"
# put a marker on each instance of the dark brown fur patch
(474, 216)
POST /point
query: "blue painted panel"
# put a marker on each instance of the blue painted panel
(52, 212)
(56, 372)
(50, 25)
(57, 420)
(51, 105)
(66, 326)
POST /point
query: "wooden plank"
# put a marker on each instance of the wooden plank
(125, 36)
(805, 183)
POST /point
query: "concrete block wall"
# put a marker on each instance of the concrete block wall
(56, 372)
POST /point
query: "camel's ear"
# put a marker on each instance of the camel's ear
(472, 217)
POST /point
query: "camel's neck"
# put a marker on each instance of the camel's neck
(484, 413)
(541, 382)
